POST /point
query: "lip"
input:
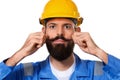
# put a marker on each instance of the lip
(59, 41)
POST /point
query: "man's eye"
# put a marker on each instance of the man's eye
(68, 26)
(51, 27)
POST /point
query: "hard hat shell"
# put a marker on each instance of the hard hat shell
(60, 8)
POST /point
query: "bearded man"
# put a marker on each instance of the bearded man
(60, 33)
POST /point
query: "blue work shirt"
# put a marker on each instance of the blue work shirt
(84, 70)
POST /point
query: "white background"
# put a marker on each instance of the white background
(19, 18)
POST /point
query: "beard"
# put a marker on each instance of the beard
(60, 52)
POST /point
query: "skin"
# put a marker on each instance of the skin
(56, 27)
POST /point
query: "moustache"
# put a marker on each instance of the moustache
(59, 37)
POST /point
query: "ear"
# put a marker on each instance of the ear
(43, 29)
(77, 29)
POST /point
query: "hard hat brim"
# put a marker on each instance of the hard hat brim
(79, 20)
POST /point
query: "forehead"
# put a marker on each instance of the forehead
(60, 21)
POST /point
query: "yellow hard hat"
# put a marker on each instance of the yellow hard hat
(60, 8)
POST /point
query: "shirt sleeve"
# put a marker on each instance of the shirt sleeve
(4, 70)
(113, 67)
(10, 73)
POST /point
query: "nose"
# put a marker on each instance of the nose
(60, 30)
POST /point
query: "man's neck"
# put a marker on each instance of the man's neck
(62, 65)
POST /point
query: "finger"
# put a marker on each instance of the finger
(36, 34)
(38, 46)
(84, 44)
(81, 42)
(36, 37)
(36, 41)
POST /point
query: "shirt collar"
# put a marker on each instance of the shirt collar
(81, 67)
(45, 71)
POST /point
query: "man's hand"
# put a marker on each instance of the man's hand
(32, 44)
(85, 42)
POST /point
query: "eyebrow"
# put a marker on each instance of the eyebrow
(67, 24)
(63, 24)
(52, 23)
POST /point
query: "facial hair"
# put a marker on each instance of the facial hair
(60, 52)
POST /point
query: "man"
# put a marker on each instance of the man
(60, 32)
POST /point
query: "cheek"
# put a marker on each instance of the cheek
(50, 34)
(68, 35)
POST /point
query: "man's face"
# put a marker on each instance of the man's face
(59, 38)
